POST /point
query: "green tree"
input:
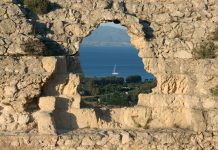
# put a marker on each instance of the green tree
(134, 79)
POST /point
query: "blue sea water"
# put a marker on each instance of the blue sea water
(100, 61)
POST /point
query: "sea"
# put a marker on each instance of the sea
(100, 62)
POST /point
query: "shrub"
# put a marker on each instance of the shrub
(214, 91)
(116, 99)
(34, 47)
(215, 34)
(206, 50)
(108, 80)
(38, 6)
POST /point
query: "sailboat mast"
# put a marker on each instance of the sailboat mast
(115, 68)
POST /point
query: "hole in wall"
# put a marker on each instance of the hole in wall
(116, 21)
(113, 74)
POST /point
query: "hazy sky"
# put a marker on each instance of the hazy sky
(113, 25)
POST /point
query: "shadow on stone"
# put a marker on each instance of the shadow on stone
(39, 28)
(103, 114)
(53, 48)
(54, 6)
(149, 32)
(123, 4)
(41, 31)
(73, 65)
(64, 121)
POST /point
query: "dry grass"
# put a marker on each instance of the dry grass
(205, 50)
(38, 6)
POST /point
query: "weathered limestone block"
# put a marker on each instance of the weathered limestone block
(22, 80)
(196, 120)
(9, 91)
(20, 85)
(11, 121)
(54, 86)
(84, 118)
(70, 90)
(47, 103)
(87, 142)
(168, 84)
(49, 64)
(58, 27)
(44, 117)
(212, 119)
(174, 111)
(209, 102)
(196, 76)
(45, 122)
(23, 119)
(76, 29)
(63, 83)
(125, 137)
(183, 54)
(161, 65)
(7, 26)
(204, 83)
(172, 100)
(162, 18)
(136, 117)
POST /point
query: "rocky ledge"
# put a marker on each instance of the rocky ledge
(93, 139)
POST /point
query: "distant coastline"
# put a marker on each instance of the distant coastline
(107, 36)
(100, 61)
(106, 44)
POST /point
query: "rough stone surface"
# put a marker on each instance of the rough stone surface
(164, 32)
(45, 122)
(93, 139)
(47, 103)
(21, 81)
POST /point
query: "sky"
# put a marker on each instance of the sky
(111, 24)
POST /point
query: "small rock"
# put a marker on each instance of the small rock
(125, 137)
(87, 142)
(10, 91)
(15, 143)
(23, 119)
(7, 26)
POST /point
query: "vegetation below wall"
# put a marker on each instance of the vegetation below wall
(37, 6)
(38, 47)
(207, 49)
(214, 91)
(115, 91)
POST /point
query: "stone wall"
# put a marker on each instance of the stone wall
(173, 139)
(39, 94)
(14, 28)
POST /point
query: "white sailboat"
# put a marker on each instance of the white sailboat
(114, 70)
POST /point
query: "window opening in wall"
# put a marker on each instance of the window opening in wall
(113, 74)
